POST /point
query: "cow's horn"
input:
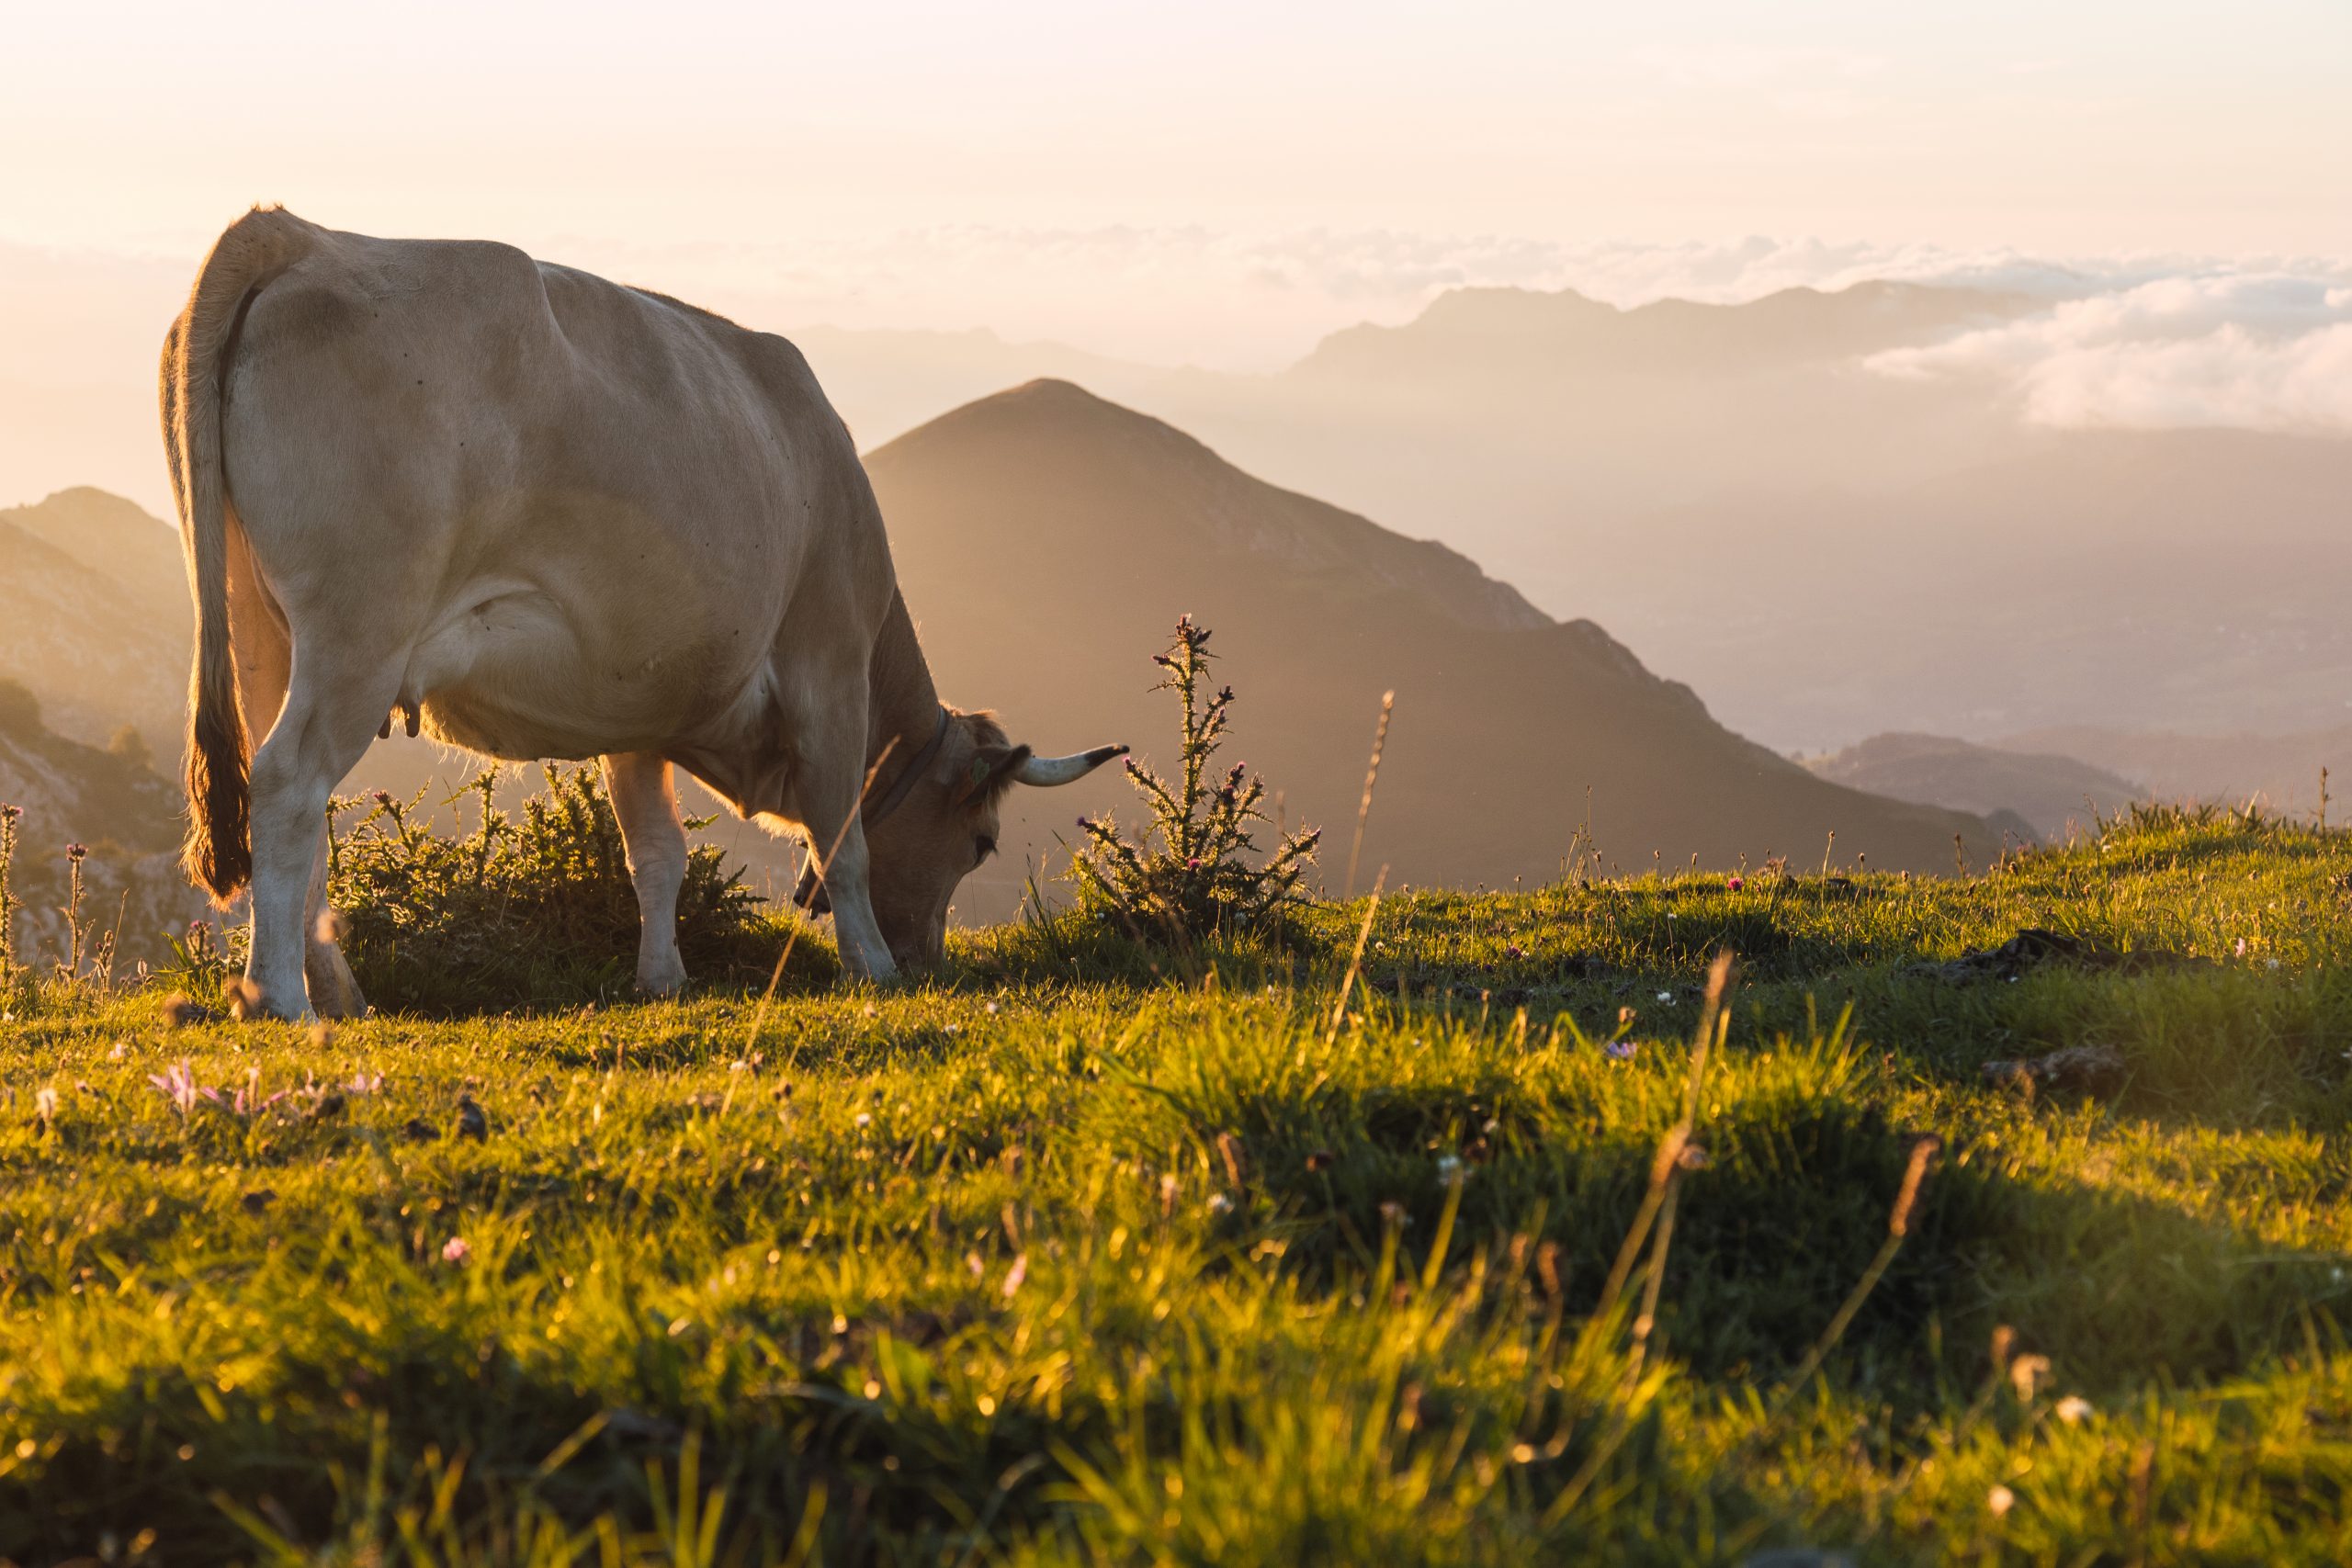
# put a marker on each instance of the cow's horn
(1046, 771)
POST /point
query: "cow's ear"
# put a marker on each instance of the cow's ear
(989, 773)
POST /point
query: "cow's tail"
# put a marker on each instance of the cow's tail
(196, 354)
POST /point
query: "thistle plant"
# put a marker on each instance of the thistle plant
(76, 936)
(1194, 879)
(9, 816)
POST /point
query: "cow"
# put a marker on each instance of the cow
(539, 514)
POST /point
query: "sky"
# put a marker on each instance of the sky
(1218, 183)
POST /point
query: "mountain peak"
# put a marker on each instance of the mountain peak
(1096, 475)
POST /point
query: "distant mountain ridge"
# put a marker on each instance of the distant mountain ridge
(2282, 772)
(113, 803)
(2048, 795)
(1480, 331)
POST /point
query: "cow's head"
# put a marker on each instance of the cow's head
(931, 822)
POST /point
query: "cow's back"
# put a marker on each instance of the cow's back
(518, 455)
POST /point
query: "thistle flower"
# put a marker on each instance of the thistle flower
(10, 812)
(380, 796)
(75, 851)
(1735, 884)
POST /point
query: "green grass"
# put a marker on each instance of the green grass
(1089, 1253)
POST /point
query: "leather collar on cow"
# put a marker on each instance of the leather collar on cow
(904, 785)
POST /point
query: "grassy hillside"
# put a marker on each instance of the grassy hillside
(1082, 1252)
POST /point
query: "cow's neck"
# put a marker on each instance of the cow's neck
(903, 704)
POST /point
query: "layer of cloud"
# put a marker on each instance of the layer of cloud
(2248, 350)
(1255, 301)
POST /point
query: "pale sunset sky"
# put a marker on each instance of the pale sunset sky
(1214, 183)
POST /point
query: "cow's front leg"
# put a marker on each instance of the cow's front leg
(656, 840)
(856, 931)
(832, 785)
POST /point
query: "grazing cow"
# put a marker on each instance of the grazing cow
(544, 515)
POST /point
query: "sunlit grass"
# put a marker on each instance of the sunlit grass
(1083, 1253)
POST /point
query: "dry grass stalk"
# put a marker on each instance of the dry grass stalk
(1355, 960)
(1898, 1226)
(1371, 778)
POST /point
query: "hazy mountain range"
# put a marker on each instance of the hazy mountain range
(95, 616)
(1752, 499)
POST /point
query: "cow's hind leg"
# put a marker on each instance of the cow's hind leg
(648, 810)
(334, 990)
(265, 665)
(332, 707)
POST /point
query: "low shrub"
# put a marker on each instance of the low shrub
(535, 909)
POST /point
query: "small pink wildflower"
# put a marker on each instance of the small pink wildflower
(177, 1084)
(1735, 884)
(1622, 1050)
(455, 1250)
(75, 851)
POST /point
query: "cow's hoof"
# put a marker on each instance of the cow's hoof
(333, 992)
(249, 1000)
(661, 979)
